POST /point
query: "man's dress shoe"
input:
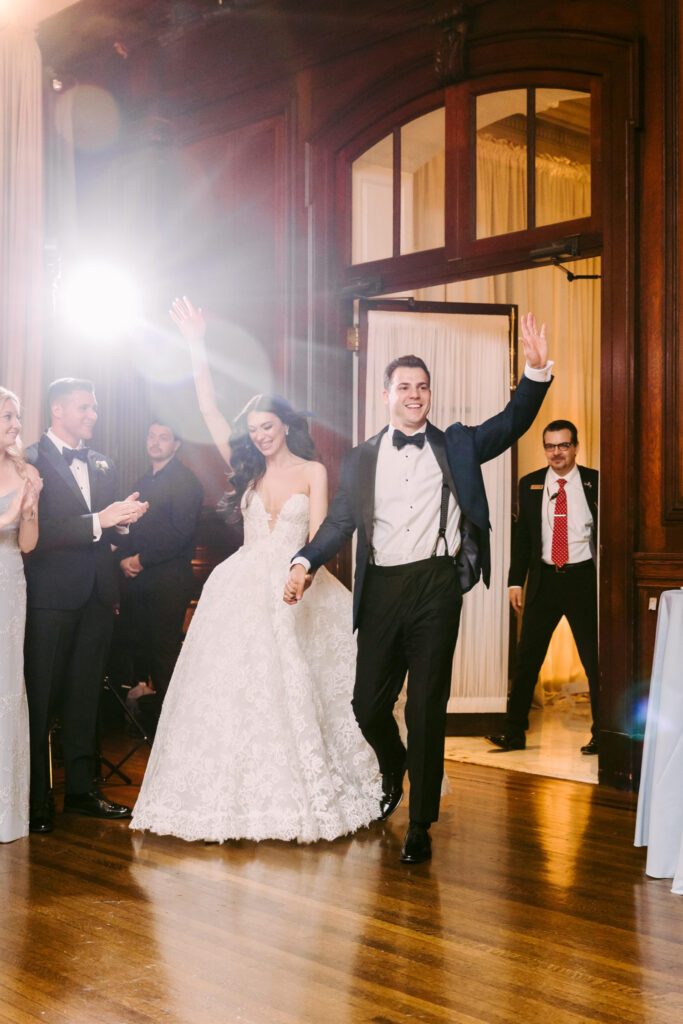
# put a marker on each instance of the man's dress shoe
(94, 805)
(417, 845)
(42, 818)
(392, 793)
(591, 747)
(508, 741)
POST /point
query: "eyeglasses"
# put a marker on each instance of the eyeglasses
(563, 446)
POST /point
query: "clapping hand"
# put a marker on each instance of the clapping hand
(189, 321)
(123, 513)
(31, 493)
(534, 342)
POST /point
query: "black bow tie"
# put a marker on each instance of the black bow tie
(400, 439)
(75, 453)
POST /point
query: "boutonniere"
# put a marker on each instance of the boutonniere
(101, 466)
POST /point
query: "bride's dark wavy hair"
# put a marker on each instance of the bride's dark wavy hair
(247, 462)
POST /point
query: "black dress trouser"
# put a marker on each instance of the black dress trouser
(408, 622)
(153, 608)
(571, 591)
(64, 657)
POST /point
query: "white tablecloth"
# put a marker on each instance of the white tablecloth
(659, 822)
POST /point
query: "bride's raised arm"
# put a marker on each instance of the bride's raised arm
(190, 322)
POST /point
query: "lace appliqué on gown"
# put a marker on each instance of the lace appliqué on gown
(257, 737)
(14, 736)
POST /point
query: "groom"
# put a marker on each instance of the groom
(416, 498)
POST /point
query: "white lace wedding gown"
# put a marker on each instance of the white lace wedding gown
(14, 737)
(257, 738)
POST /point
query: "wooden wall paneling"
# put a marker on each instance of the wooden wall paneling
(672, 513)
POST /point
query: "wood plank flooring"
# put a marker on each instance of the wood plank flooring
(535, 908)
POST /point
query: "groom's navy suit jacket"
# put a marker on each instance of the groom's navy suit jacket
(66, 566)
(460, 452)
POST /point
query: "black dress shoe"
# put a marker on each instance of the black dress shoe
(94, 805)
(41, 819)
(591, 747)
(392, 793)
(417, 845)
(508, 741)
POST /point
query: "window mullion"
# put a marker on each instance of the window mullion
(397, 192)
(531, 158)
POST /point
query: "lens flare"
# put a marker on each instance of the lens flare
(99, 300)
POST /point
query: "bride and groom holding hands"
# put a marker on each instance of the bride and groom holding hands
(257, 737)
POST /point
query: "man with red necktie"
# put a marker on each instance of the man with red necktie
(554, 545)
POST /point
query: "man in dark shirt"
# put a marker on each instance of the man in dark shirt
(157, 560)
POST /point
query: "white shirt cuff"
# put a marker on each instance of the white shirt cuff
(540, 374)
(96, 527)
(302, 561)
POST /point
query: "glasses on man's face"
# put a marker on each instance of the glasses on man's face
(563, 446)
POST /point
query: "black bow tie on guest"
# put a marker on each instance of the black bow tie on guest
(400, 439)
(75, 453)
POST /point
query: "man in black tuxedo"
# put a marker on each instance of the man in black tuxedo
(554, 550)
(422, 522)
(72, 589)
(156, 557)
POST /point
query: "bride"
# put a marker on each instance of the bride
(257, 738)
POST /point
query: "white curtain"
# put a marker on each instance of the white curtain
(21, 206)
(571, 311)
(468, 357)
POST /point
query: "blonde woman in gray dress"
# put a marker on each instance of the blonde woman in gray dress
(19, 489)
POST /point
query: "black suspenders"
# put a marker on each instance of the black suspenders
(445, 495)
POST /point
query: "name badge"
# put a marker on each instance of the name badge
(537, 487)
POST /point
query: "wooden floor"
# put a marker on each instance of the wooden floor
(535, 908)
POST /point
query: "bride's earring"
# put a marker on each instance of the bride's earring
(286, 431)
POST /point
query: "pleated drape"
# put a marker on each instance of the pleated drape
(21, 221)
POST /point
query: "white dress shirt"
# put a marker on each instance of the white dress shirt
(408, 487)
(579, 517)
(79, 471)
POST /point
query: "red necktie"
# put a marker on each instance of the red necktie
(560, 546)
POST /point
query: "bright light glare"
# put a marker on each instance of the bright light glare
(99, 301)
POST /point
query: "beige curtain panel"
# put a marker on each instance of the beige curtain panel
(21, 220)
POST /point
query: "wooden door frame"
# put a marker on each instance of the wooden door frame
(457, 723)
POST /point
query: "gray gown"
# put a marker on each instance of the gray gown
(14, 736)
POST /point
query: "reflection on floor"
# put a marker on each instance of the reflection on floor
(553, 744)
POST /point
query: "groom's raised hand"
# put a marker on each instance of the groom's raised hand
(297, 582)
(534, 342)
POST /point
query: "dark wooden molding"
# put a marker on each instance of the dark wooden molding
(659, 569)
(450, 59)
(483, 723)
(620, 758)
(672, 424)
